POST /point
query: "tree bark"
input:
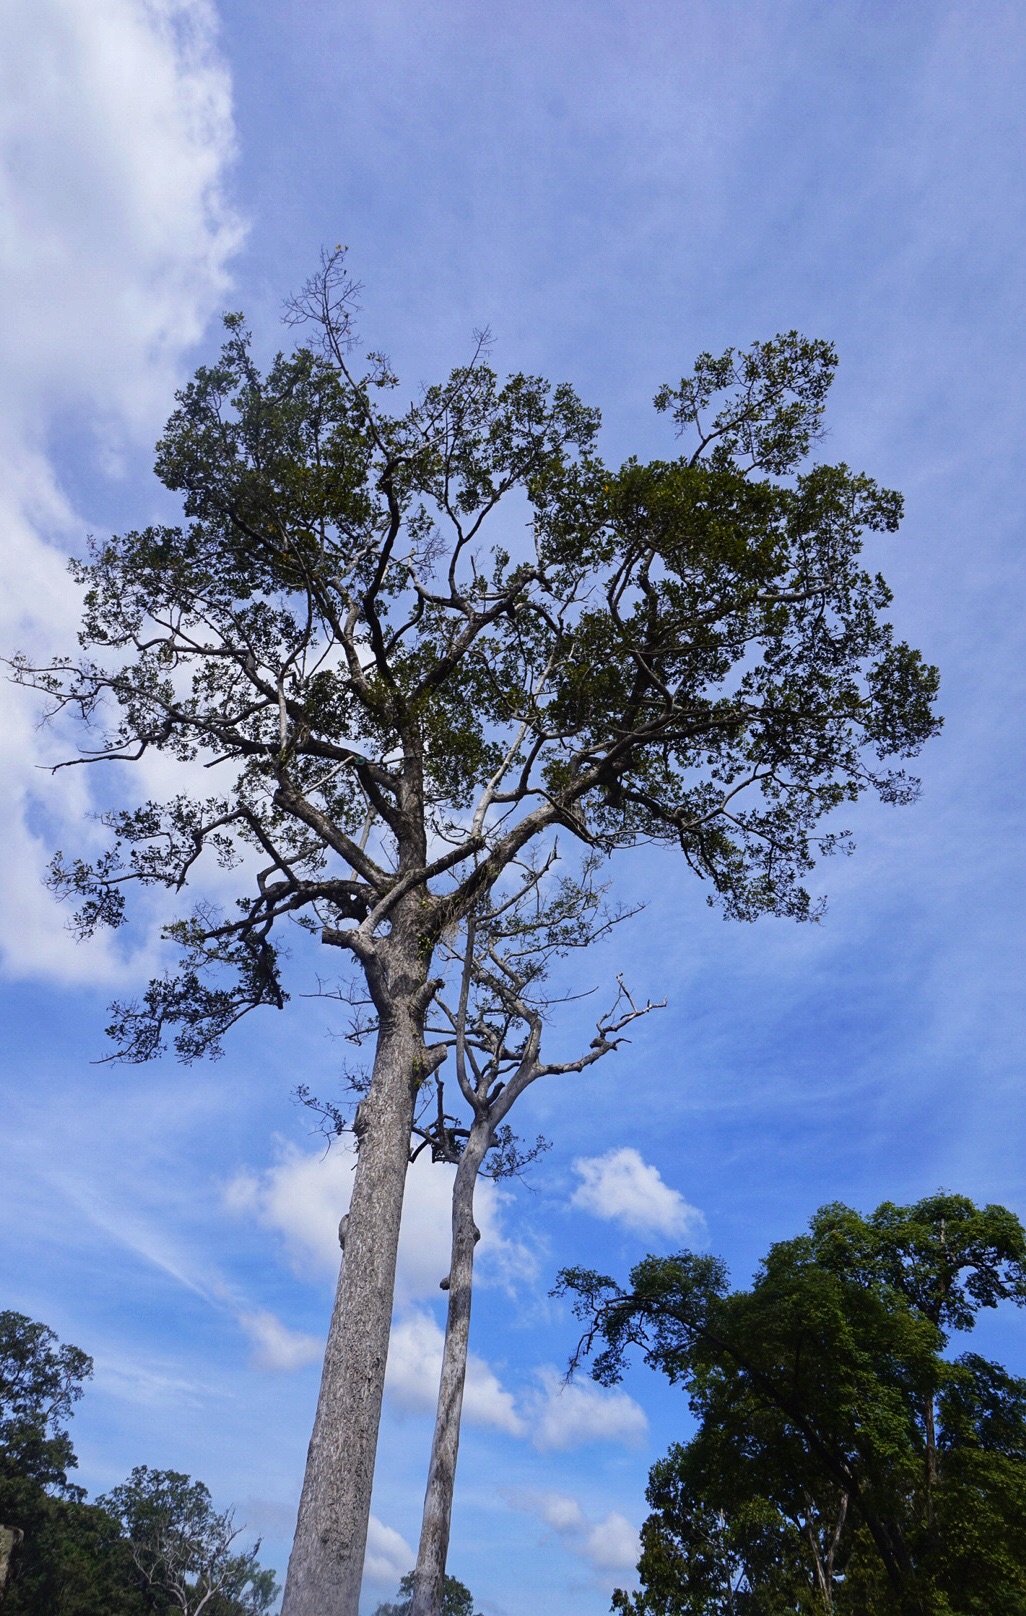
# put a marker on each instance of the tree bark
(10, 1539)
(429, 1578)
(326, 1563)
(931, 1461)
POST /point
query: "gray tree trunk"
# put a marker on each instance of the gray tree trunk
(429, 1578)
(10, 1538)
(326, 1563)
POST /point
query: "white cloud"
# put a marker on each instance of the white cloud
(149, 1383)
(115, 135)
(303, 1196)
(115, 235)
(415, 1363)
(302, 1199)
(559, 1510)
(388, 1556)
(276, 1346)
(567, 1414)
(612, 1544)
(622, 1187)
(609, 1545)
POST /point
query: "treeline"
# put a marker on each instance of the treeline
(156, 1544)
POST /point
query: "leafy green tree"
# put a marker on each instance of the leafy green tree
(842, 1462)
(457, 1599)
(184, 1550)
(70, 1561)
(40, 1383)
(153, 1546)
(395, 708)
(73, 1562)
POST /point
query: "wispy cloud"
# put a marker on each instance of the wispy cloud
(278, 1347)
(608, 1544)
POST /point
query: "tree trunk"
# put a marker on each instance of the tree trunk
(429, 1578)
(10, 1539)
(326, 1563)
(931, 1461)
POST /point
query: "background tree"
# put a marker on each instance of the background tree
(841, 1461)
(154, 1546)
(184, 1550)
(69, 1562)
(457, 1599)
(393, 709)
(40, 1383)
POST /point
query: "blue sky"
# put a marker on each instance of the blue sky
(611, 188)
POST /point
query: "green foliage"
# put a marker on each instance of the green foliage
(40, 1383)
(184, 1549)
(457, 1600)
(152, 1546)
(689, 651)
(72, 1562)
(842, 1461)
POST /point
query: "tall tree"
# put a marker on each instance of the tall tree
(494, 1026)
(842, 1462)
(686, 652)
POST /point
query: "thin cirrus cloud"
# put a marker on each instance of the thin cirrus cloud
(276, 1347)
(116, 143)
(623, 1188)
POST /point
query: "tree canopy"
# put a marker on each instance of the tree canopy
(686, 650)
(842, 1461)
(185, 1551)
